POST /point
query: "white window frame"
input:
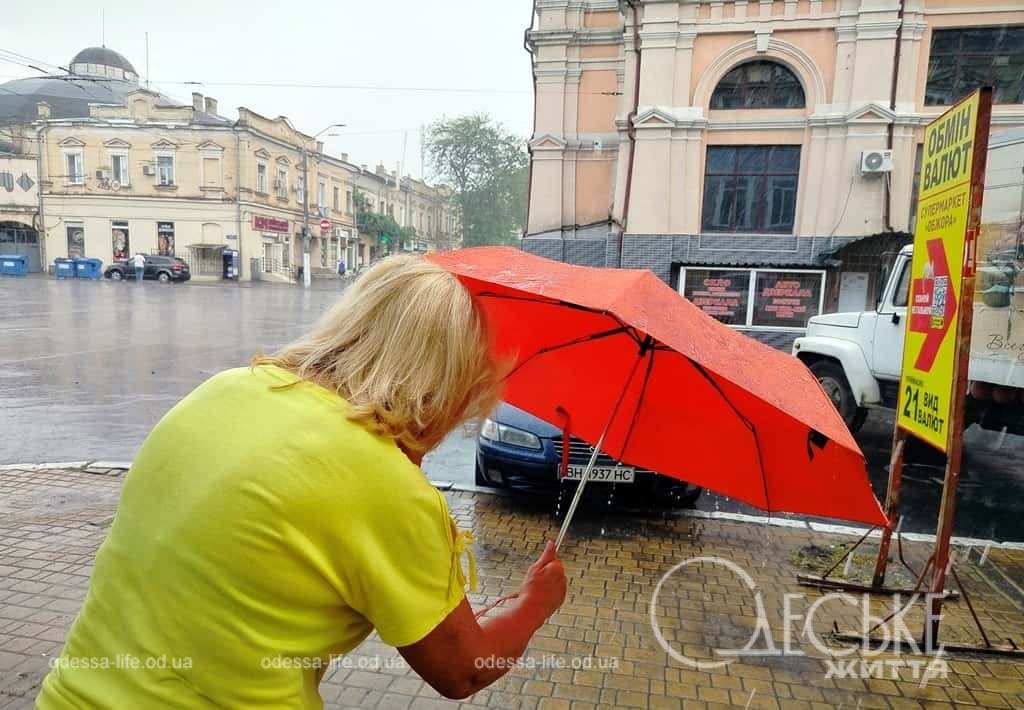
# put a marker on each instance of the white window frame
(282, 182)
(122, 176)
(174, 168)
(211, 155)
(73, 178)
(752, 272)
(261, 184)
(300, 189)
(321, 192)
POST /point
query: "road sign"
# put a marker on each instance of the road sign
(943, 256)
(385, 239)
(325, 227)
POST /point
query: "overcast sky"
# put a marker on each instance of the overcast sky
(470, 48)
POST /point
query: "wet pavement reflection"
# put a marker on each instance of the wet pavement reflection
(88, 368)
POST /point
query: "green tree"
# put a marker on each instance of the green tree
(377, 224)
(487, 167)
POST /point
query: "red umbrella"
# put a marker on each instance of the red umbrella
(645, 376)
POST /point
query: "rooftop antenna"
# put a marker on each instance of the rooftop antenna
(147, 60)
(103, 27)
(405, 144)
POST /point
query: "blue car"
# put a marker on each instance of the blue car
(517, 451)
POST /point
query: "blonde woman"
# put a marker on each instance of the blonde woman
(277, 516)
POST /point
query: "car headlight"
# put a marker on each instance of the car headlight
(494, 431)
(489, 430)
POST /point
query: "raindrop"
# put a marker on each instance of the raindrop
(561, 497)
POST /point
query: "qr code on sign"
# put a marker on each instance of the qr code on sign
(939, 298)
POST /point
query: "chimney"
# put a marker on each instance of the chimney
(320, 147)
(363, 167)
(211, 105)
(197, 101)
(344, 157)
(43, 109)
(381, 170)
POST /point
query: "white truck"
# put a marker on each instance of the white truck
(857, 357)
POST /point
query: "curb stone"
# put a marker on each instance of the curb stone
(116, 468)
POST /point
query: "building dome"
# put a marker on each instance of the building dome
(100, 61)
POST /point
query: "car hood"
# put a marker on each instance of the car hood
(516, 417)
(839, 320)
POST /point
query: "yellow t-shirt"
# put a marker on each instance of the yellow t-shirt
(259, 533)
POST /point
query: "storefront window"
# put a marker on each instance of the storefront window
(120, 240)
(784, 299)
(165, 238)
(721, 294)
(755, 298)
(76, 240)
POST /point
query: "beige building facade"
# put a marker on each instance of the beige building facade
(19, 205)
(117, 169)
(759, 156)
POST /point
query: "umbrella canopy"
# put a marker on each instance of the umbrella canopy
(692, 398)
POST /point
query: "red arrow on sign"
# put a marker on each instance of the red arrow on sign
(933, 306)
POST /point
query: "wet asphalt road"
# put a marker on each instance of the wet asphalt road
(87, 369)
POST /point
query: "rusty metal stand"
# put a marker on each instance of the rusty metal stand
(824, 581)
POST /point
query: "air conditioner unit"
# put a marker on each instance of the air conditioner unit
(876, 161)
(102, 174)
(148, 170)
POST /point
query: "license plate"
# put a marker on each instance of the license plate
(602, 474)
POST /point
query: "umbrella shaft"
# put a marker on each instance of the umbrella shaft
(579, 489)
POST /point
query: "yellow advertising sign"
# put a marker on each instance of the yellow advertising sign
(940, 255)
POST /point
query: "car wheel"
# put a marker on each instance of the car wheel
(833, 381)
(115, 275)
(163, 277)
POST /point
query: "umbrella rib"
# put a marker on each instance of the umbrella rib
(564, 304)
(742, 417)
(575, 341)
(639, 403)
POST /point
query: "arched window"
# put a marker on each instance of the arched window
(759, 84)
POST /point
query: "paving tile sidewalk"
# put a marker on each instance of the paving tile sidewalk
(601, 649)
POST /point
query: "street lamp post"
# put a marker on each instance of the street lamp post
(307, 277)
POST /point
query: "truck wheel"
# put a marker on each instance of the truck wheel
(833, 381)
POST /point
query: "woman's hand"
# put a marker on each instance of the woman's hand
(461, 655)
(545, 585)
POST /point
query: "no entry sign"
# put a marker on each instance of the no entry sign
(943, 256)
(325, 227)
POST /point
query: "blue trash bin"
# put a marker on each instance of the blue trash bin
(87, 268)
(13, 265)
(64, 268)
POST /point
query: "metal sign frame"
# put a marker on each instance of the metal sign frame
(939, 563)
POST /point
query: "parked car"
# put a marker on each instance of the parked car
(158, 268)
(517, 451)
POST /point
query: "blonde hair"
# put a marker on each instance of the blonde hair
(407, 347)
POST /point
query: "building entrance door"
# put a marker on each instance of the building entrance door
(21, 240)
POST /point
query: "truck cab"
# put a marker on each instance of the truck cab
(857, 357)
